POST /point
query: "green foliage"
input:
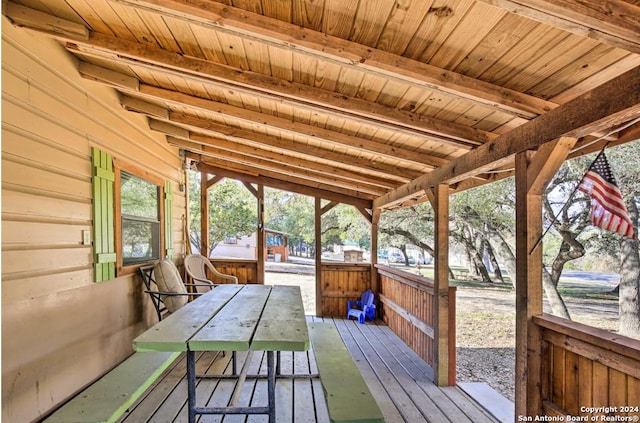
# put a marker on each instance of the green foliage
(344, 224)
(290, 213)
(232, 211)
(493, 204)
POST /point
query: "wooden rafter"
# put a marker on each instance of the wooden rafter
(610, 104)
(270, 31)
(384, 170)
(265, 162)
(281, 184)
(295, 94)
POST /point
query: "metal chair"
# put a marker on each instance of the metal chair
(197, 265)
(165, 287)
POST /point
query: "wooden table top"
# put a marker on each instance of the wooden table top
(233, 318)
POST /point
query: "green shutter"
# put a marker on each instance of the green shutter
(168, 220)
(103, 219)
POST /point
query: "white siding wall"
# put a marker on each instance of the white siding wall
(60, 330)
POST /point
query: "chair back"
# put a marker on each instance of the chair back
(196, 267)
(146, 272)
(168, 279)
(367, 298)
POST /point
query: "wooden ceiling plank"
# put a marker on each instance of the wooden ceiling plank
(403, 22)
(275, 142)
(291, 127)
(615, 22)
(287, 161)
(610, 104)
(299, 95)
(348, 53)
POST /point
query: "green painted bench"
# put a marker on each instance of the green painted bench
(348, 397)
(110, 396)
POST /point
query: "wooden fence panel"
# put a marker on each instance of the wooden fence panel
(585, 367)
(408, 308)
(342, 282)
(245, 270)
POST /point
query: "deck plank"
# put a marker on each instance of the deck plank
(398, 378)
(408, 409)
(433, 408)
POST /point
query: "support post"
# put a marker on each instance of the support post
(439, 198)
(534, 170)
(375, 221)
(260, 236)
(204, 214)
(318, 253)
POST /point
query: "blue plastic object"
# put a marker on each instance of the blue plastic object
(365, 308)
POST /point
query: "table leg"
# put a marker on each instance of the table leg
(191, 385)
(271, 386)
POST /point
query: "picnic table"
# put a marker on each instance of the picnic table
(233, 318)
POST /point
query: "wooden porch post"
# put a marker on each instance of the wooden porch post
(534, 170)
(204, 214)
(439, 199)
(318, 252)
(375, 220)
(260, 235)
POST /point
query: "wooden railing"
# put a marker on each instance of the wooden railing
(341, 282)
(585, 368)
(245, 270)
(409, 309)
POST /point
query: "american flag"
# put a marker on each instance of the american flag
(607, 206)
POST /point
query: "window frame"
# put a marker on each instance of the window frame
(122, 166)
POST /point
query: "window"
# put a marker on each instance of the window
(274, 240)
(140, 219)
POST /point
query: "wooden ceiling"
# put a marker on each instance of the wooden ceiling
(354, 100)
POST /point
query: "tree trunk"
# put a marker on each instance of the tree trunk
(497, 272)
(558, 307)
(629, 298)
(502, 248)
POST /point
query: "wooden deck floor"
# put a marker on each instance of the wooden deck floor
(399, 380)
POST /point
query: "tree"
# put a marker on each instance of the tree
(232, 211)
(293, 214)
(411, 225)
(625, 162)
(344, 223)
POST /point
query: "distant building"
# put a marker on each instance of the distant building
(276, 247)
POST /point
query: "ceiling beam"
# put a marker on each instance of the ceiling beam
(269, 159)
(314, 133)
(225, 18)
(293, 173)
(280, 184)
(274, 89)
(608, 105)
(246, 137)
(303, 168)
(614, 22)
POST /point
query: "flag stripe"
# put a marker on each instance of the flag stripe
(608, 210)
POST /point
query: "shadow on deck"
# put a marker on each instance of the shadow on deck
(400, 381)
